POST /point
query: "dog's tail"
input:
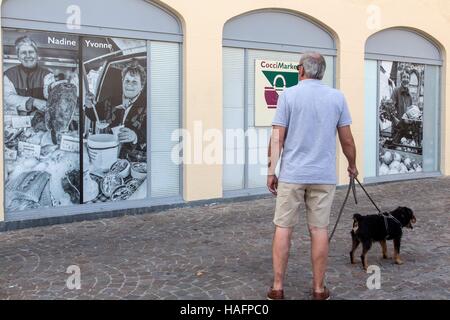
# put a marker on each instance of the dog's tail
(357, 217)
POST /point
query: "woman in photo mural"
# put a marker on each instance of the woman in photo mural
(129, 119)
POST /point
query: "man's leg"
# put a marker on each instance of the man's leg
(280, 253)
(286, 217)
(318, 200)
(319, 256)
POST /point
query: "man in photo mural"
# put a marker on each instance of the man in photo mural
(128, 119)
(402, 100)
(26, 86)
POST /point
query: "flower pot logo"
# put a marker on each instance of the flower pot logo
(271, 94)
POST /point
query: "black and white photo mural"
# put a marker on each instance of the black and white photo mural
(400, 112)
(41, 119)
(115, 109)
(75, 119)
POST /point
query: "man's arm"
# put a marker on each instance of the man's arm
(13, 102)
(396, 116)
(276, 145)
(349, 149)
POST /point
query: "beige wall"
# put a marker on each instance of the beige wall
(203, 22)
(348, 20)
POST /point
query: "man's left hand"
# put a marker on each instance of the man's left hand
(126, 135)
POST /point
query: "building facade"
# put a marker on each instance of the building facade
(122, 104)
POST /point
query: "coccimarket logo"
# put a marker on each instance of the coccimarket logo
(279, 75)
(271, 79)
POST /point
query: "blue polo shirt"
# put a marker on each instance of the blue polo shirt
(311, 111)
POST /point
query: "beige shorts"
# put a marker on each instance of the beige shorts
(318, 199)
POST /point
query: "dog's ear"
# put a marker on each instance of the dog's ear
(407, 211)
(411, 215)
(407, 215)
(402, 213)
(399, 210)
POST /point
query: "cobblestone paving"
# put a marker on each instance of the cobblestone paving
(223, 251)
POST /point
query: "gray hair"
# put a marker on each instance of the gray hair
(25, 40)
(314, 65)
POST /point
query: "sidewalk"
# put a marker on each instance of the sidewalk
(224, 252)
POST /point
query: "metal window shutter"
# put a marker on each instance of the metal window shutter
(164, 117)
(233, 117)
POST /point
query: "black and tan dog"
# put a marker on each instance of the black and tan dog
(379, 228)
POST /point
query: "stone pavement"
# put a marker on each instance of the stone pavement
(223, 251)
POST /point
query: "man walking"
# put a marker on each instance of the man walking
(307, 118)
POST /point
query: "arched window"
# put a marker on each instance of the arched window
(402, 105)
(92, 123)
(261, 50)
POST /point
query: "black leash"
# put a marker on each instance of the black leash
(385, 215)
(370, 198)
(351, 186)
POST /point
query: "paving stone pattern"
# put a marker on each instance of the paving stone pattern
(223, 251)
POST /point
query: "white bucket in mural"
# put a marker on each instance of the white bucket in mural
(103, 151)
